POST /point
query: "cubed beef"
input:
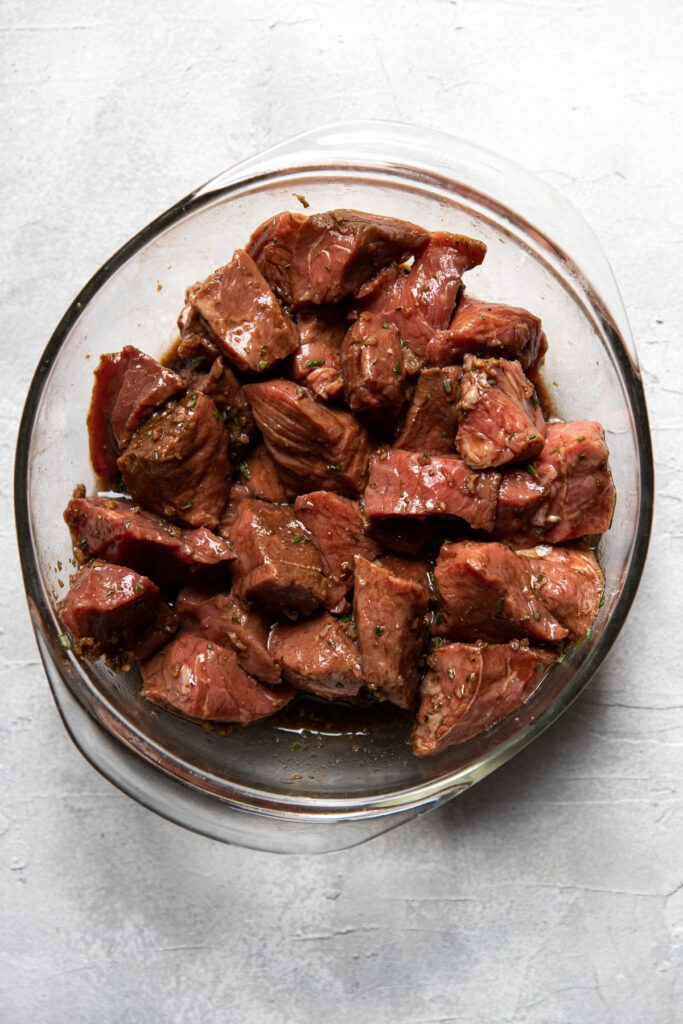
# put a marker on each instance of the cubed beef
(195, 340)
(317, 361)
(371, 362)
(431, 422)
(271, 247)
(129, 386)
(226, 619)
(245, 319)
(403, 483)
(486, 592)
(177, 463)
(277, 565)
(567, 492)
(203, 680)
(500, 416)
(493, 329)
(337, 527)
(470, 687)
(259, 477)
(319, 656)
(118, 531)
(313, 446)
(419, 570)
(389, 613)
(337, 251)
(112, 610)
(220, 384)
(570, 584)
(420, 300)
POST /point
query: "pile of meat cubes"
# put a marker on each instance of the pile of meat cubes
(341, 484)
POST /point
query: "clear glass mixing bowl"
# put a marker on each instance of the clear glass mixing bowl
(270, 786)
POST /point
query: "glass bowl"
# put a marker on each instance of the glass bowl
(294, 785)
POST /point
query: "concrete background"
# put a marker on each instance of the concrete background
(553, 892)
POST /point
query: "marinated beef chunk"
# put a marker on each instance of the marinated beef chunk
(195, 340)
(402, 484)
(420, 300)
(112, 610)
(419, 570)
(227, 620)
(500, 416)
(245, 319)
(494, 329)
(470, 687)
(120, 532)
(201, 679)
(317, 362)
(259, 477)
(337, 528)
(372, 364)
(221, 385)
(337, 251)
(486, 592)
(431, 422)
(271, 247)
(277, 565)
(567, 492)
(177, 463)
(570, 584)
(129, 386)
(389, 613)
(313, 446)
(319, 656)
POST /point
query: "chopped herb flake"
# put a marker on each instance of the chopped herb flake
(64, 641)
(333, 467)
(315, 362)
(447, 386)
(398, 368)
(244, 470)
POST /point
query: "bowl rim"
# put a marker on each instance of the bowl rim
(287, 805)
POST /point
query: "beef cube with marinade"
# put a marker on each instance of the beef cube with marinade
(202, 679)
(317, 361)
(338, 529)
(570, 583)
(319, 656)
(243, 316)
(276, 565)
(486, 592)
(112, 610)
(500, 419)
(226, 619)
(313, 446)
(404, 484)
(177, 464)
(431, 422)
(494, 329)
(372, 365)
(336, 252)
(470, 687)
(271, 247)
(389, 612)
(129, 386)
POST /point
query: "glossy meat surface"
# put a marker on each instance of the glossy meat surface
(313, 446)
(389, 611)
(115, 611)
(319, 656)
(276, 563)
(372, 364)
(494, 329)
(431, 422)
(570, 583)
(403, 484)
(486, 592)
(229, 621)
(271, 247)
(177, 464)
(129, 386)
(243, 316)
(317, 361)
(470, 687)
(203, 680)
(337, 251)
(500, 418)
(121, 532)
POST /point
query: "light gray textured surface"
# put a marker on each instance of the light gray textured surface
(553, 892)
